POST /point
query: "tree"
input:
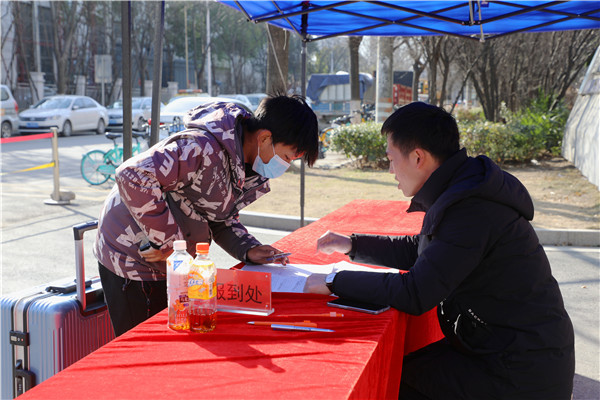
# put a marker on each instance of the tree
(277, 60)
(67, 18)
(235, 42)
(142, 35)
(328, 56)
(432, 46)
(447, 55)
(415, 50)
(515, 68)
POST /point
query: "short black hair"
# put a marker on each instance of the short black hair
(291, 121)
(423, 125)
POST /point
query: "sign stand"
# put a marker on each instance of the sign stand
(244, 292)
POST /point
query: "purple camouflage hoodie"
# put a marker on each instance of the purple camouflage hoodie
(189, 186)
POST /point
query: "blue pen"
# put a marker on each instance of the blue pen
(282, 327)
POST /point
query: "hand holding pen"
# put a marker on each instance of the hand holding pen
(265, 254)
(282, 257)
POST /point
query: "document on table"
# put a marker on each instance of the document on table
(291, 278)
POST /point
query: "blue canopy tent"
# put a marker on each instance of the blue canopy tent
(472, 20)
(475, 19)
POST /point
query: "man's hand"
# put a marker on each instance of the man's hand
(315, 283)
(155, 255)
(261, 255)
(331, 241)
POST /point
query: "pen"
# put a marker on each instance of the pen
(305, 323)
(329, 314)
(299, 328)
(277, 256)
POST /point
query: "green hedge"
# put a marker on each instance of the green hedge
(363, 143)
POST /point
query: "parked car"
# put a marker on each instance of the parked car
(66, 112)
(255, 99)
(240, 99)
(10, 112)
(141, 110)
(171, 115)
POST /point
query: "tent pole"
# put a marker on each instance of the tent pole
(303, 83)
(126, 56)
(159, 15)
(302, 172)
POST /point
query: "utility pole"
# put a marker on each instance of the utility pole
(208, 57)
(187, 76)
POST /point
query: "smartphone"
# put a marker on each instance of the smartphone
(358, 306)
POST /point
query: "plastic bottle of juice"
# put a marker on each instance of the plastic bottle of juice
(202, 291)
(178, 268)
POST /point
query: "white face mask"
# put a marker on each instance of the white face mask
(273, 169)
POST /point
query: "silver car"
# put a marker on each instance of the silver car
(141, 110)
(171, 116)
(10, 112)
(66, 112)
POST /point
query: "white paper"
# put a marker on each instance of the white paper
(291, 278)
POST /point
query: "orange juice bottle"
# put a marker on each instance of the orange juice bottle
(202, 291)
(178, 267)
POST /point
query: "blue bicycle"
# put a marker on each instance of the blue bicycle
(98, 166)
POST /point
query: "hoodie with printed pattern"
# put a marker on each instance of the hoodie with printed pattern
(189, 186)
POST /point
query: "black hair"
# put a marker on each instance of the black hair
(423, 125)
(291, 121)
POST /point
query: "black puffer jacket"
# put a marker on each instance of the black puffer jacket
(477, 257)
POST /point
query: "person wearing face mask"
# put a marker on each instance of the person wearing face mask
(191, 186)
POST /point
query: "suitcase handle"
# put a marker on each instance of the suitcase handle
(78, 231)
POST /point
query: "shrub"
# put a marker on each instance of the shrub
(485, 137)
(530, 133)
(363, 143)
(544, 121)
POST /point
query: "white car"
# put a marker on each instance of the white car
(240, 99)
(255, 99)
(141, 110)
(10, 112)
(171, 116)
(66, 112)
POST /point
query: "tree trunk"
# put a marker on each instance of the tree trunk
(385, 75)
(354, 44)
(418, 68)
(66, 19)
(277, 60)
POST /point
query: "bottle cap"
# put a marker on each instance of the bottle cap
(202, 248)
(179, 245)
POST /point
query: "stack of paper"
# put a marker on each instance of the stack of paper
(292, 277)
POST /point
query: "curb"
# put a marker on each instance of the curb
(547, 237)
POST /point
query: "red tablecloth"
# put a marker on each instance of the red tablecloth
(361, 359)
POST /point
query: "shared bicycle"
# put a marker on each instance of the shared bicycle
(98, 166)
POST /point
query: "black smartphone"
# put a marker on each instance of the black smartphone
(358, 306)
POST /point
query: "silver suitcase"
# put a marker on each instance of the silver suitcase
(46, 328)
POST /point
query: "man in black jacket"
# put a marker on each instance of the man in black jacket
(477, 258)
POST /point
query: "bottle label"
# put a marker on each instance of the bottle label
(201, 284)
(177, 264)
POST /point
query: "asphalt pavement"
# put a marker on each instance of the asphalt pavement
(37, 241)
